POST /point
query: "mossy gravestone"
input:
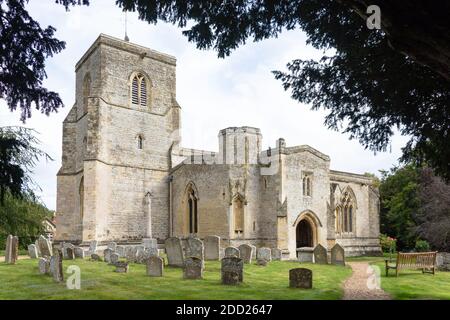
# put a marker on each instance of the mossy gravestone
(338, 255)
(232, 252)
(232, 270)
(320, 255)
(193, 268)
(174, 251)
(300, 278)
(246, 252)
(155, 266)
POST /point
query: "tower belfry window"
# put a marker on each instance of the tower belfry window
(139, 90)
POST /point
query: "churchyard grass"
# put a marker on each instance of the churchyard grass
(99, 281)
(22, 252)
(412, 284)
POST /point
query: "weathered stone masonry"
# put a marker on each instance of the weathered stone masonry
(125, 176)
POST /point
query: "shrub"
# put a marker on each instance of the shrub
(422, 245)
(388, 244)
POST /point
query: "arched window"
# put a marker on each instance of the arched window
(86, 92)
(345, 213)
(191, 210)
(307, 185)
(81, 195)
(140, 142)
(139, 90)
(238, 215)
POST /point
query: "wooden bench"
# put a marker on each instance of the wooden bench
(417, 260)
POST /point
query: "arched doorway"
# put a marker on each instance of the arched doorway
(304, 234)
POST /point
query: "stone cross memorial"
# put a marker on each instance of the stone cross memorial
(174, 252)
(300, 278)
(246, 252)
(232, 252)
(320, 255)
(232, 270)
(155, 266)
(212, 247)
(338, 255)
(193, 268)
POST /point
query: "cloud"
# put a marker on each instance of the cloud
(213, 93)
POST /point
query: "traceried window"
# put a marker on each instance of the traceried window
(345, 213)
(307, 187)
(192, 210)
(139, 90)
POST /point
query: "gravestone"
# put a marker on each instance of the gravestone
(121, 267)
(120, 250)
(232, 270)
(174, 252)
(338, 255)
(141, 255)
(44, 266)
(300, 278)
(264, 253)
(151, 252)
(112, 246)
(261, 262)
(56, 266)
(212, 247)
(65, 247)
(246, 252)
(32, 251)
(131, 253)
(195, 248)
(107, 255)
(93, 246)
(320, 255)
(305, 254)
(193, 268)
(232, 252)
(70, 253)
(36, 243)
(45, 247)
(114, 258)
(12, 249)
(155, 266)
(95, 257)
(276, 254)
(79, 252)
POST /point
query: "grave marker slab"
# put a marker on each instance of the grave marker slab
(320, 255)
(174, 252)
(264, 253)
(212, 247)
(246, 252)
(232, 270)
(338, 255)
(232, 252)
(300, 278)
(193, 268)
(155, 266)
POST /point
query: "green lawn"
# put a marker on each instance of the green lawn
(98, 281)
(412, 284)
(22, 252)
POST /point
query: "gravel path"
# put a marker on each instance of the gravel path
(363, 284)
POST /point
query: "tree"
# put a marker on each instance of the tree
(434, 213)
(18, 155)
(372, 82)
(400, 204)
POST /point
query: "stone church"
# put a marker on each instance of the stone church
(125, 175)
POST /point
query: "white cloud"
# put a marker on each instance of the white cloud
(213, 93)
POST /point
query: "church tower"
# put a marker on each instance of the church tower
(117, 141)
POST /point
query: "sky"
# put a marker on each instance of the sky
(213, 93)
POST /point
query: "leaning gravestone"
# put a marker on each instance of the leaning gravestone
(56, 266)
(32, 251)
(246, 252)
(212, 247)
(276, 254)
(44, 266)
(114, 258)
(232, 252)
(155, 266)
(44, 247)
(70, 254)
(300, 278)
(193, 268)
(12, 249)
(107, 255)
(174, 252)
(79, 252)
(232, 270)
(195, 248)
(338, 255)
(264, 253)
(320, 255)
